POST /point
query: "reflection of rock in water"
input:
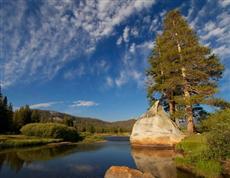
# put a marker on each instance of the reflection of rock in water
(157, 162)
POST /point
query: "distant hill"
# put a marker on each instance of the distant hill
(86, 123)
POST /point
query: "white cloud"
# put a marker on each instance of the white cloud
(133, 65)
(132, 48)
(109, 82)
(215, 33)
(134, 31)
(56, 33)
(121, 79)
(101, 66)
(44, 105)
(72, 73)
(224, 3)
(146, 45)
(119, 40)
(126, 34)
(83, 103)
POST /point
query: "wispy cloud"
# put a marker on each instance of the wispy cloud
(216, 31)
(73, 73)
(83, 103)
(53, 33)
(44, 105)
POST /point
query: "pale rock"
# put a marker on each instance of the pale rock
(156, 129)
(125, 172)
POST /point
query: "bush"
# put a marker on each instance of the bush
(50, 130)
(218, 137)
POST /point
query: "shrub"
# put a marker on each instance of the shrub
(50, 130)
(218, 137)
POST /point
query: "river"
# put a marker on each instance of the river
(86, 161)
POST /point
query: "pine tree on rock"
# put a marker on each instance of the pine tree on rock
(158, 78)
(191, 71)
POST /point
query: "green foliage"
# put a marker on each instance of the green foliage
(181, 70)
(51, 130)
(35, 117)
(88, 137)
(193, 143)
(22, 116)
(206, 168)
(218, 137)
(85, 124)
(8, 141)
(196, 157)
(68, 121)
(218, 102)
(92, 129)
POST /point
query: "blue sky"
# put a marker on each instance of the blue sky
(88, 58)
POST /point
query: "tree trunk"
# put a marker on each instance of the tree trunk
(172, 109)
(190, 124)
(189, 113)
(188, 106)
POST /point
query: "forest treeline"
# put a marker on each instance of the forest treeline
(12, 122)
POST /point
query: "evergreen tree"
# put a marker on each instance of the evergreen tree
(68, 121)
(6, 114)
(22, 117)
(35, 117)
(190, 70)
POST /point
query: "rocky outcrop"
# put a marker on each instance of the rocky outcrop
(125, 172)
(155, 128)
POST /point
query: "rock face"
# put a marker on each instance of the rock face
(156, 129)
(125, 172)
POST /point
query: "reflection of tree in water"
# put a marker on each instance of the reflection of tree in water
(47, 153)
(12, 160)
(16, 158)
(2, 159)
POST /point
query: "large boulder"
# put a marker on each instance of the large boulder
(155, 128)
(125, 172)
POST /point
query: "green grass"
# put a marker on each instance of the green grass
(195, 158)
(8, 141)
(193, 144)
(90, 138)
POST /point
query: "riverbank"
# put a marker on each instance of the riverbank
(195, 159)
(8, 141)
(16, 141)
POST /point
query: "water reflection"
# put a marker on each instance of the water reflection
(88, 160)
(16, 159)
(157, 162)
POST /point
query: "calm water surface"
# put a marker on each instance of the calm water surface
(85, 161)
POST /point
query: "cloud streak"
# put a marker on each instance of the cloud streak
(44, 105)
(43, 37)
(83, 103)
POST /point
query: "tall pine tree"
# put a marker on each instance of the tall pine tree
(191, 71)
(6, 114)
